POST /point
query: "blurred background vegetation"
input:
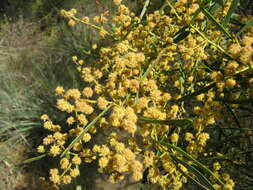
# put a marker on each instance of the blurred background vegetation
(36, 47)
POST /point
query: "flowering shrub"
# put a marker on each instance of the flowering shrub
(159, 91)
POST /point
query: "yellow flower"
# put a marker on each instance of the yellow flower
(87, 92)
(117, 2)
(102, 103)
(82, 119)
(174, 138)
(44, 117)
(74, 58)
(86, 137)
(230, 83)
(64, 163)
(59, 90)
(216, 166)
(76, 160)
(66, 179)
(55, 150)
(71, 23)
(70, 120)
(74, 172)
(103, 162)
(41, 149)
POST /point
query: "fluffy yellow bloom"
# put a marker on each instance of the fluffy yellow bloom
(102, 103)
(72, 23)
(59, 90)
(82, 119)
(70, 120)
(55, 150)
(216, 166)
(64, 163)
(44, 117)
(174, 138)
(66, 179)
(86, 137)
(188, 136)
(103, 162)
(76, 160)
(74, 58)
(87, 92)
(230, 83)
(41, 149)
(74, 172)
(117, 2)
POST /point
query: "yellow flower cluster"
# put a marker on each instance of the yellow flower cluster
(145, 76)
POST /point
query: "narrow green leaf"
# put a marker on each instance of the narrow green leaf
(178, 122)
(230, 12)
(247, 25)
(213, 20)
(85, 130)
(34, 159)
(197, 163)
(181, 34)
(190, 96)
(220, 2)
(197, 173)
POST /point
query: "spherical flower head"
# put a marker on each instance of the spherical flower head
(59, 90)
(104, 151)
(137, 175)
(48, 125)
(216, 166)
(74, 58)
(117, 2)
(86, 137)
(58, 136)
(82, 119)
(64, 163)
(70, 120)
(55, 150)
(74, 172)
(63, 12)
(44, 117)
(102, 103)
(155, 95)
(166, 97)
(85, 19)
(174, 138)
(66, 179)
(41, 149)
(189, 136)
(87, 92)
(230, 83)
(48, 140)
(73, 11)
(103, 162)
(71, 23)
(76, 160)
(119, 147)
